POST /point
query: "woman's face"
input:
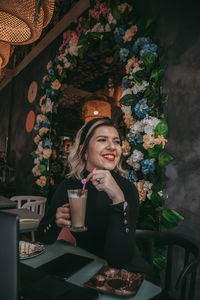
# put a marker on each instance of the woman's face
(104, 150)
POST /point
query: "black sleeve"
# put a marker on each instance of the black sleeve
(48, 230)
(120, 239)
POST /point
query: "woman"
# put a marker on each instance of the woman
(112, 203)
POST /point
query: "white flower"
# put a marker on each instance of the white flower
(98, 28)
(40, 118)
(107, 28)
(40, 148)
(73, 48)
(35, 170)
(139, 88)
(111, 19)
(126, 92)
(48, 105)
(37, 161)
(126, 109)
(137, 128)
(150, 124)
(67, 63)
(147, 187)
(134, 159)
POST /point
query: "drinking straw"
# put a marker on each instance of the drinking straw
(83, 181)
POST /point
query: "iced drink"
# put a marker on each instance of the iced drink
(78, 202)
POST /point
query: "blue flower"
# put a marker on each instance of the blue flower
(125, 84)
(49, 92)
(147, 166)
(148, 48)
(123, 54)
(134, 140)
(45, 124)
(139, 43)
(47, 143)
(132, 176)
(119, 33)
(141, 109)
(36, 128)
(51, 72)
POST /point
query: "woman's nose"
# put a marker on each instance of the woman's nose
(110, 145)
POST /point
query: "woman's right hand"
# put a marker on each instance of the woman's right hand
(63, 216)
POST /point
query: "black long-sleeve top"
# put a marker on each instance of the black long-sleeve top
(110, 228)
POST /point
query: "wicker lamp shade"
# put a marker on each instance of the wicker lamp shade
(4, 54)
(17, 20)
(96, 109)
(48, 7)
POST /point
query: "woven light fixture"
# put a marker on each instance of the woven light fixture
(4, 54)
(96, 106)
(17, 20)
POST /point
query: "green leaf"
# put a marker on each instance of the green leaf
(127, 100)
(156, 200)
(161, 129)
(156, 74)
(136, 79)
(33, 154)
(81, 52)
(115, 12)
(164, 158)
(42, 168)
(170, 218)
(164, 98)
(155, 151)
(93, 35)
(149, 61)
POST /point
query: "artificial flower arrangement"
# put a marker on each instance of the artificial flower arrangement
(114, 25)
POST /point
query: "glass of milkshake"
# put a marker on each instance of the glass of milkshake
(77, 202)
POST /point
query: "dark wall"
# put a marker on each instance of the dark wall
(178, 34)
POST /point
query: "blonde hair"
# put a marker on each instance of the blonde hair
(76, 159)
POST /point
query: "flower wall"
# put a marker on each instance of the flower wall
(114, 26)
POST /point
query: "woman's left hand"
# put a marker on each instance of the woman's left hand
(103, 181)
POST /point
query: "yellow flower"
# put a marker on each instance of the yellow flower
(61, 57)
(49, 65)
(129, 120)
(56, 84)
(42, 100)
(45, 78)
(125, 148)
(41, 181)
(47, 153)
(130, 33)
(148, 141)
(37, 151)
(123, 7)
(160, 139)
(140, 187)
(36, 139)
(43, 130)
(60, 68)
(38, 173)
(132, 63)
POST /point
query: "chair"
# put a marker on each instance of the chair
(33, 203)
(178, 249)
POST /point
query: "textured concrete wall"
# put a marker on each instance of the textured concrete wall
(178, 34)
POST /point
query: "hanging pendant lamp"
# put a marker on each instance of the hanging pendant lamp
(17, 20)
(4, 54)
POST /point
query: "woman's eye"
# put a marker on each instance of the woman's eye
(101, 140)
(117, 142)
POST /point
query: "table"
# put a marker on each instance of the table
(7, 203)
(25, 214)
(146, 291)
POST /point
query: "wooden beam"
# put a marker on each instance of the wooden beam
(74, 13)
(77, 92)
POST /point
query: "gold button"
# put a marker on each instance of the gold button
(127, 230)
(49, 225)
(44, 230)
(125, 222)
(124, 214)
(47, 228)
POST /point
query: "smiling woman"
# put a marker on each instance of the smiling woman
(112, 202)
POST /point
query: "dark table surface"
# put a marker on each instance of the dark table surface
(7, 203)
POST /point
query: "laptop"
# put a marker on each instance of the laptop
(19, 281)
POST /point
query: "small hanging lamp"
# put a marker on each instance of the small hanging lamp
(96, 106)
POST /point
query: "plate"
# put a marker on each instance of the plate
(118, 282)
(29, 250)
